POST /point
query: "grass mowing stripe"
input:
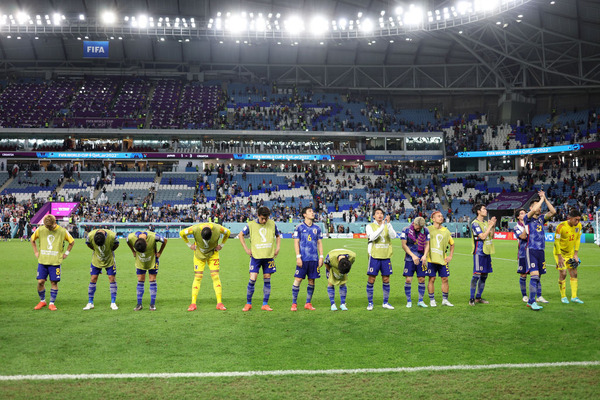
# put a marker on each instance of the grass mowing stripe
(434, 368)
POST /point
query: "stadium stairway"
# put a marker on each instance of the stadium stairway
(9, 180)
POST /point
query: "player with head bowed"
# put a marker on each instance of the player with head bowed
(380, 234)
(103, 243)
(143, 246)
(308, 244)
(50, 257)
(482, 233)
(415, 242)
(265, 241)
(338, 263)
(206, 251)
(566, 254)
(437, 259)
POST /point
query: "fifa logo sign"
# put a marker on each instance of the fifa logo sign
(95, 49)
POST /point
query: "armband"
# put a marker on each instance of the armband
(67, 253)
(189, 244)
(298, 256)
(321, 256)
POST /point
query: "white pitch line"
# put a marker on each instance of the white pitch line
(234, 374)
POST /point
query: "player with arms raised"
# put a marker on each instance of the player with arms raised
(536, 246)
(265, 241)
(50, 257)
(308, 243)
(437, 260)
(206, 251)
(143, 246)
(566, 254)
(103, 243)
(338, 263)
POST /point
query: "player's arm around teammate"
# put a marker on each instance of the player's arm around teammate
(50, 257)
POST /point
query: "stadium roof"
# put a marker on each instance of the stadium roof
(530, 46)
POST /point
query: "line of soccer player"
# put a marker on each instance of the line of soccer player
(428, 252)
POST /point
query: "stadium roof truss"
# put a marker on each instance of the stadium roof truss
(530, 46)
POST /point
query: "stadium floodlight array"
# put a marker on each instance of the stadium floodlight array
(248, 24)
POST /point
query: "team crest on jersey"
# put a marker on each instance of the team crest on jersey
(315, 231)
(576, 230)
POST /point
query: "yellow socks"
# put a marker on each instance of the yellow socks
(562, 286)
(196, 287)
(573, 288)
(217, 285)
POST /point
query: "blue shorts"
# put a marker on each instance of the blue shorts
(536, 261)
(482, 264)
(267, 264)
(410, 268)
(383, 265)
(52, 270)
(522, 266)
(97, 271)
(310, 268)
(153, 271)
(441, 270)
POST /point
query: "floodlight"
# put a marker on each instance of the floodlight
(367, 26)
(318, 25)
(342, 23)
(109, 17)
(399, 10)
(236, 23)
(414, 16)
(463, 7)
(294, 25)
(22, 17)
(142, 21)
(81, 17)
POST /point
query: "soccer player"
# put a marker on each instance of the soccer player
(308, 243)
(380, 233)
(265, 241)
(206, 251)
(415, 242)
(103, 243)
(521, 235)
(437, 260)
(50, 257)
(566, 249)
(536, 245)
(483, 248)
(338, 263)
(143, 246)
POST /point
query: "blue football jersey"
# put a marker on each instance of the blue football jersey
(521, 243)
(415, 240)
(537, 236)
(308, 238)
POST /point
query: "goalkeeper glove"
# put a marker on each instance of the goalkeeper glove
(573, 262)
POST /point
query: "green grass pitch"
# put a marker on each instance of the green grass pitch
(72, 341)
